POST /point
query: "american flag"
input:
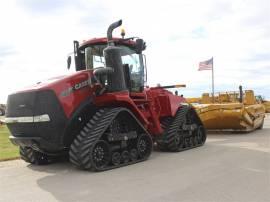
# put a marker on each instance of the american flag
(206, 65)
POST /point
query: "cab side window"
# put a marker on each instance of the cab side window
(135, 69)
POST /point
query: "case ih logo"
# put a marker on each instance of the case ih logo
(77, 86)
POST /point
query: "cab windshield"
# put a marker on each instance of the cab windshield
(94, 59)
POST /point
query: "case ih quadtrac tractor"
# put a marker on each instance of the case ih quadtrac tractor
(103, 115)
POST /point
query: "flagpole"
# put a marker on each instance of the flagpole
(213, 86)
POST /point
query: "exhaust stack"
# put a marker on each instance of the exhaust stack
(110, 30)
(240, 94)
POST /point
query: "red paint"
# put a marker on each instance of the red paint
(149, 106)
(59, 84)
(104, 40)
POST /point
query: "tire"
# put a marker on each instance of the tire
(34, 157)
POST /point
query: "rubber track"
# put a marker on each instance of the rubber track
(167, 142)
(79, 153)
(34, 157)
(27, 155)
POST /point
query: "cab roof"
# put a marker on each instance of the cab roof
(118, 41)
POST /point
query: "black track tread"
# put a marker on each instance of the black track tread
(167, 142)
(89, 135)
(27, 155)
(34, 157)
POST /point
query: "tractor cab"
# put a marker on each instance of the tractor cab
(118, 63)
(130, 61)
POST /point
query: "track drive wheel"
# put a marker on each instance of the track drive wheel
(200, 135)
(34, 157)
(144, 146)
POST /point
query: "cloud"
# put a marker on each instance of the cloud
(6, 51)
(258, 57)
(46, 7)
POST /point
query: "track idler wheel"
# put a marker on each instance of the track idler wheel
(125, 156)
(116, 158)
(133, 154)
(177, 142)
(100, 155)
(144, 146)
(192, 141)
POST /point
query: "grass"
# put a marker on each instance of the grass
(7, 149)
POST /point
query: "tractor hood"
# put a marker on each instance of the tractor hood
(69, 91)
(56, 81)
(44, 83)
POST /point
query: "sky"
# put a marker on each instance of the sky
(37, 35)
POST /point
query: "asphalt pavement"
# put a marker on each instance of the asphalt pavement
(229, 167)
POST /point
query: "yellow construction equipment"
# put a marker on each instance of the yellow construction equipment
(267, 106)
(193, 100)
(265, 102)
(230, 111)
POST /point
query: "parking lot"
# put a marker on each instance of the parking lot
(229, 167)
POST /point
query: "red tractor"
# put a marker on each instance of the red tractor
(103, 115)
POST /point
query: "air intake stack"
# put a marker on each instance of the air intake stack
(112, 54)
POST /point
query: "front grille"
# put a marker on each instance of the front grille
(34, 104)
(21, 104)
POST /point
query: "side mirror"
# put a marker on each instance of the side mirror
(103, 71)
(68, 62)
(139, 46)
